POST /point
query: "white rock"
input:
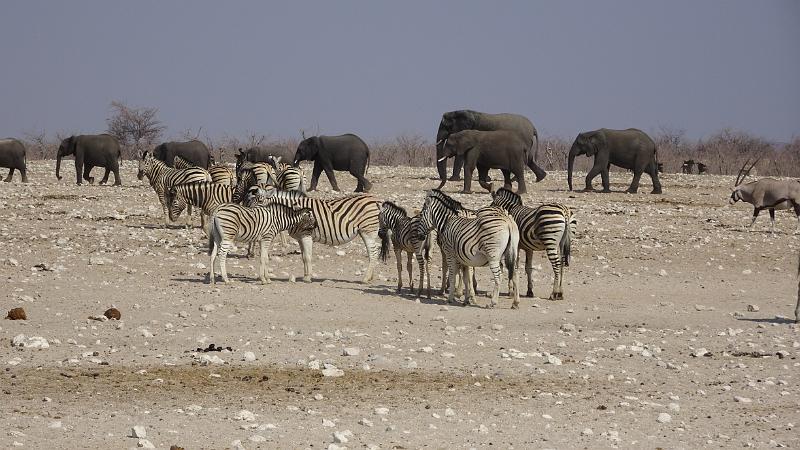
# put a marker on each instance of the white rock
(340, 253)
(554, 360)
(208, 307)
(245, 415)
(699, 352)
(55, 424)
(257, 438)
(21, 340)
(237, 445)
(314, 365)
(497, 327)
(740, 399)
(753, 308)
(381, 411)
(12, 262)
(144, 443)
(664, 418)
(567, 327)
(249, 356)
(587, 432)
(351, 351)
(318, 397)
(138, 431)
(366, 422)
(449, 412)
(332, 371)
(207, 360)
(342, 437)
(336, 447)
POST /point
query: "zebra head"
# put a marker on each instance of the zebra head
(176, 203)
(259, 195)
(145, 162)
(505, 198)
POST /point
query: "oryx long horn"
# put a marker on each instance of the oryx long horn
(741, 171)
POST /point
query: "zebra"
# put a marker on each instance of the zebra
(549, 228)
(395, 225)
(338, 221)
(219, 172)
(231, 222)
(206, 196)
(252, 174)
(289, 178)
(163, 177)
(489, 237)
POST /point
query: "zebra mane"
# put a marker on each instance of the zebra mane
(445, 200)
(397, 209)
(506, 196)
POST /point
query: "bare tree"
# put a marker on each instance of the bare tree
(134, 126)
(38, 144)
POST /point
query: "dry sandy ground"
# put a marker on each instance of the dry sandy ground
(653, 280)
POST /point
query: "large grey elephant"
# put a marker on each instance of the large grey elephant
(193, 151)
(12, 156)
(465, 119)
(630, 149)
(255, 155)
(347, 152)
(504, 150)
(91, 150)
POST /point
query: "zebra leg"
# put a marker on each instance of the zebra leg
(451, 279)
(224, 248)
(306, 250)
(398, 255)
(410, 267)
(214, 251)
(373, 246)
(558, 269)
(497, 273)
(469, 289)
(445, 272)
(422, 270)
(263, 269)
(529, 272)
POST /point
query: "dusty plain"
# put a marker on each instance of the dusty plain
(677, 330)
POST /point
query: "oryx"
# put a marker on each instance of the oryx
(766, 193)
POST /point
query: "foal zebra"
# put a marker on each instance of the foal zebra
(550, 227)
(203, 195)
(338, 221)
(232, 222)
(163, 177)
(487, 238)
(289, 178)
(403, 232)
(220, 173)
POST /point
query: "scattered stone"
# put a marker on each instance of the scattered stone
(319, 397)
(332, 371)
(664, 418)
(328, 423)
(12, 262)
(249, 356)
(351, 351)
(740, 399)
(366, 422)
(567, 328)
(113, 314)
(381, 411)
(144, 443)
(208, 307)
(17, 314)
(138, 431)
(497, 327)
(237, 445)
(207, 360)
(246, 416)
(554, 360)
(587, 432)
(257, 438)
(21, 340)
(342, 437)
(753, 308)
(700, 352)
(176, 447)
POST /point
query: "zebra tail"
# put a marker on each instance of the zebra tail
(212, 234)
(510, 257)
(565, 245)
(385, 236)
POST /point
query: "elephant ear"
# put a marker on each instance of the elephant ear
(596, 141)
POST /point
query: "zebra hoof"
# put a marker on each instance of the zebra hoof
(556, 296)
(307, 279)
(529, 294)
(515, 306)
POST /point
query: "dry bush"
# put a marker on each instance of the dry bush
(136, 129)
(404, 150)
(553, 152)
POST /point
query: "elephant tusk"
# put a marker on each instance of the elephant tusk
(440, 141)
(441, 159)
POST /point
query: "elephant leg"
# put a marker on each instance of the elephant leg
(105, 176)
(483, 178)
(772, 220)
(538, 171)
(654, 177)
(10, 174)
(797, 214)
(506, 178)
(468, 180)
(634, 187)
(315, 175)
(331, 178)
(24, 173)
(363, 184)
(86, 170)
(458, 163)
(117, 179)
(521, 188)
(593, 172)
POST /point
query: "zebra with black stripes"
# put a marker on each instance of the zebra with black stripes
(163, 177)
(253, 174)
(486, 239)
(206, 196)
(338, 221)
(402, 231)
(289, 177)
(462, 212)
(219, 172)
(236, 223)
(549, 228)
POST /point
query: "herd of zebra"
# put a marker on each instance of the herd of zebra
(261, 200)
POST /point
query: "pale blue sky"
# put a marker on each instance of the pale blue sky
(382, 68)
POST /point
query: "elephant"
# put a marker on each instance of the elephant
(346, 152)
(502, 149)
(192, 151)
(455, 121)
(12, 156)
(254, 155)
(630, 149)
(91, 150)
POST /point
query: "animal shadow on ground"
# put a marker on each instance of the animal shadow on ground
(776, 320)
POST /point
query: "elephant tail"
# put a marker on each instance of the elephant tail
(366, 170)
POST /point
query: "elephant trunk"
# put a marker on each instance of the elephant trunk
(573, 152)
(58, 166)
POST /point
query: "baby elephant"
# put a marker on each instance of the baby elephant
(504, 150)
(344, 153)
(12, 156)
